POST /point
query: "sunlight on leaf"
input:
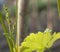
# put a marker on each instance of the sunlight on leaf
(55, 37)
(39, 41)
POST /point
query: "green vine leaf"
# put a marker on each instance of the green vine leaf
(39, 41)
(55, 37)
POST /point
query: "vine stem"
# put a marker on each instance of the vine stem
(58, 4)
(19, 21)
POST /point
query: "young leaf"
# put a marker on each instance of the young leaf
(53, 39)
(39, 41)
(46, 38)
(36, 41)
